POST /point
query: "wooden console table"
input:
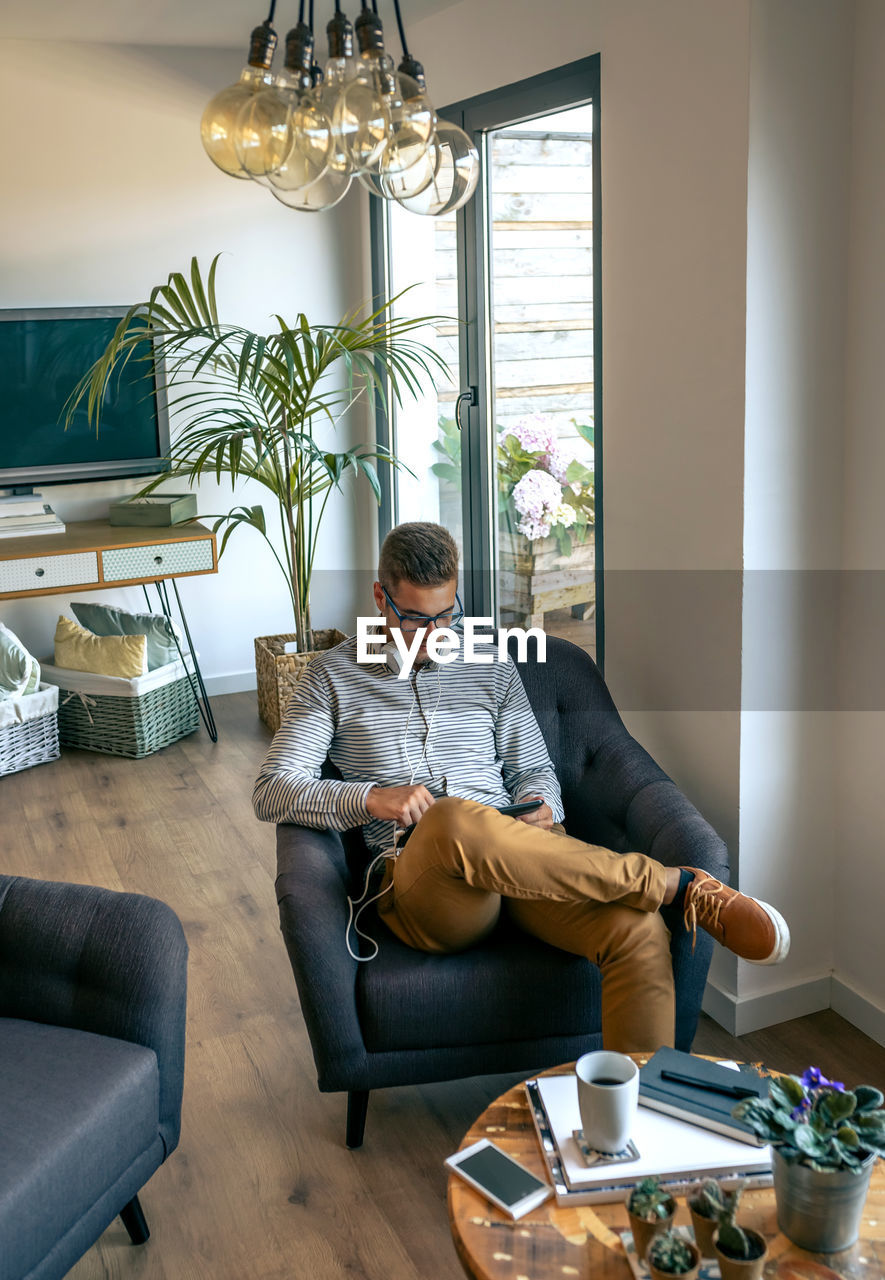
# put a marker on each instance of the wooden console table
(93, 554)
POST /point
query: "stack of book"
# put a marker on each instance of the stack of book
(22, 515)
(678, 1149)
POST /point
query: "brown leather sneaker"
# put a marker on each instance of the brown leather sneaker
(751, 929)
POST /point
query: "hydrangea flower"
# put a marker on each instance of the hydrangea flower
(537, 497)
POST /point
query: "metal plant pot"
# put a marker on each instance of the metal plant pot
(820, 1210)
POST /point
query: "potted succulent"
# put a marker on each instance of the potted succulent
(670, 1254)
(825, 1141)
(705, 1204)
(247, 406)
(650, 1209)
(740, 1251)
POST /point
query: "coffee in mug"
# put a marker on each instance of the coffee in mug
(608, 1096)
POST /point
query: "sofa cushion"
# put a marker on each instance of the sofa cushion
(486, 995)
(76, 1109)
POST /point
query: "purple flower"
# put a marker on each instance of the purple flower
(814, 1078)
(800, 1112)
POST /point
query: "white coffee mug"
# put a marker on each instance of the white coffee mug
(608, 1095)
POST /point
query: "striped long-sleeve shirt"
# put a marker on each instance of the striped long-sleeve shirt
(459, 729)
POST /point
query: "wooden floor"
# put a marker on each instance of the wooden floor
(262, 1187)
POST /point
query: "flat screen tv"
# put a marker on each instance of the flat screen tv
(43, 354)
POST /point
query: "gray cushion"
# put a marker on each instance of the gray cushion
(107, 620)
(512, 988)
(76, 1110)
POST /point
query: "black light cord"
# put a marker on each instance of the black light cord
(310, 20)
(402, 30)
(273, 5)
(301, 12)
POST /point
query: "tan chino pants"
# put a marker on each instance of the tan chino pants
(465, 859)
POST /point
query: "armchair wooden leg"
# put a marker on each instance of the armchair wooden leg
(357, 1106)
(135, 1222)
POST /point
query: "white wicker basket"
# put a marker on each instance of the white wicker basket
(29, 729)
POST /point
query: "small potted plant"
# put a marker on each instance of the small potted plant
(825, 1141)
(650, 1210)
(705, 1204)
(740, 1251)
(670, 1254)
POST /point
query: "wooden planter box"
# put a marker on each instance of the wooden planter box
(279, 672)
(534, 578)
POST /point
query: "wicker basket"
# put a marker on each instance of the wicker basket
(120, 717)
(28, 730)
(279, 672)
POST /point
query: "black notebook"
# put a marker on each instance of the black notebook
(693, 1103)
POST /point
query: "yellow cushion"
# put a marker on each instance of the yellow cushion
(79, 650)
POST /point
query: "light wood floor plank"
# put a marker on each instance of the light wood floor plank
(262, 1187)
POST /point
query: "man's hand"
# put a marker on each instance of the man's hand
(403, 805)
(542, 817)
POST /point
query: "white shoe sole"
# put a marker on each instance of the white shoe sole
(781, 947)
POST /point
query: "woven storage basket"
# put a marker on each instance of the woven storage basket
(279, 672)
(120, 717)
(29, 730)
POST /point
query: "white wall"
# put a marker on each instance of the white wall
(109, 190)
(859, 865)
(796, 313)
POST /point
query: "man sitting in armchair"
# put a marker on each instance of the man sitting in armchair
(438, 755)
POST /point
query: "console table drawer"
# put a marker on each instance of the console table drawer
(158, 560)
(36, 573)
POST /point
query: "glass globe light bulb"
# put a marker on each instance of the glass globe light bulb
(262, 135)
(412, 125)
(456, 176)
(317, 196)
(360, 115)
(409, 182)
(218, 124)
(312, 146)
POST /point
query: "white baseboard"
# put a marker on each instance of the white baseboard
(740, 1015)
(860, 1011)
(232, 682)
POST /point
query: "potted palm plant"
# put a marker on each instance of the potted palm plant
(247, 406)
(825, 1140)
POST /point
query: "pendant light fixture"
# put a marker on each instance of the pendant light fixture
(308, 132)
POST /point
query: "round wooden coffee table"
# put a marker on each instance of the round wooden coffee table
(580, 1243)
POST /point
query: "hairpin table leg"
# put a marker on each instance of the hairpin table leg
(201, 698)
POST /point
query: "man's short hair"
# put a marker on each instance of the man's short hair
(418, 552)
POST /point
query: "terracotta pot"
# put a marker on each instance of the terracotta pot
(742, 1268)
(690, 1274)
(704, 1231)
(644, 1231)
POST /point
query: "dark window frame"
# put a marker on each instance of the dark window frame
(576, 84)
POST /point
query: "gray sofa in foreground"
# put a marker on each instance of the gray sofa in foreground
(92, 1023)
(511, 1003)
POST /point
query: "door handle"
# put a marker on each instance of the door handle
(472, 398)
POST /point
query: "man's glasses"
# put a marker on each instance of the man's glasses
(411, 622)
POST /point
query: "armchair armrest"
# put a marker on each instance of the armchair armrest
(115, 964)
(312, 886)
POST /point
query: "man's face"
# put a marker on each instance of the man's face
(416, 603)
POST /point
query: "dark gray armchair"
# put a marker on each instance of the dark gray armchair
(92, 1022)
(512, 1003)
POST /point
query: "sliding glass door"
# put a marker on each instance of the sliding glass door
(507, 453)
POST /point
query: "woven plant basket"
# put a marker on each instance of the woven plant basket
(279, 672)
